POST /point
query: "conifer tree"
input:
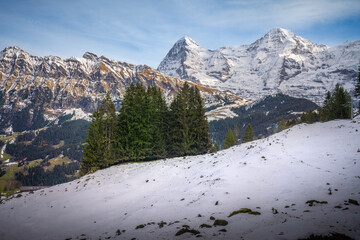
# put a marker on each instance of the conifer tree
(248, 135)
(357, 85)
(188, 126)
(357, 88)
(282, 125)
(199, 126)
(94, 151)
(158, 122)
(134, 124)
(236, 134)
(229, 139)
(107, 110)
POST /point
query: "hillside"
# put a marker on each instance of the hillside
(278, 62)
(275, 177)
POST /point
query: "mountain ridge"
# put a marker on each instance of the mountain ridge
(33, 87)
(278, 62)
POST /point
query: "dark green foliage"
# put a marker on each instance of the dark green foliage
(133, 124)
(312, 202)
(282, 125)
(72, 133)
(146, 129)
(36, 176)
(236, 134)
(357, 85)
(309, 116)
(244, 210)
(188, 126)
(248, 135)
(337, 105)
(185, 230)
(353, 201)
(94, 151)
(262, 116)
(220, 222)
(99, 151)
(229, 139)
(332, 236)
(204, 225)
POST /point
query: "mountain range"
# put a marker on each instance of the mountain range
(279, 62)
(36, 90)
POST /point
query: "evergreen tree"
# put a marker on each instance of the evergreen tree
(282, 125)
(107, 110)
(229, 139)
(188, 126)
(236, 134)
(336, 105)
(94, 151)
(158, 123)
(199, 126)
(248, 135)
(357, 85)
(134, 136)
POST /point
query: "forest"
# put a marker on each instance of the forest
(146, 128)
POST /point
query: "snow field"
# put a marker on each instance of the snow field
(279, 173)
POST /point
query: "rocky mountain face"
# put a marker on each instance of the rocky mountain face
(279, 62)
(35, 90)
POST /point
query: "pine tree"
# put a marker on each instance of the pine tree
(282, 125)
(229, 139)
(199, 126)
(248, 135)
(94, 151)
(236, 134)
(107, 110)
(357, 85)
(188, 126)
(357, 88)
(158, 123)
(134, 124)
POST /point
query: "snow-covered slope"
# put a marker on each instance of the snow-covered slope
(275, 176)
(280, 61)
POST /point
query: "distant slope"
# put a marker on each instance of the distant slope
(263, 115)
(275, 176)
(279, 62)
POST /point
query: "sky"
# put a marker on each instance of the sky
(143, 31)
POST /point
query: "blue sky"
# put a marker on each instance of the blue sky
(143, 31)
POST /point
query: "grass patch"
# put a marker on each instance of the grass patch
(140, 226)
(220, 222)
(204, 225)
(332, 236)
(244, 210)
(312, 202)
(187, 230)
(353, 201)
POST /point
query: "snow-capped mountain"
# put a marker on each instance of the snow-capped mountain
(36, 89)
(279, 62)
(301, 181)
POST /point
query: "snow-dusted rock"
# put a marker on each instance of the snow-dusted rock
(279, 62)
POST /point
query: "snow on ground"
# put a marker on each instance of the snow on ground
(276, 174)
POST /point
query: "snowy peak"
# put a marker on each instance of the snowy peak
(41, 88)
(90, 56)
(278, 62)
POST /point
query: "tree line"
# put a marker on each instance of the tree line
(337, 105)
(146, 128)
